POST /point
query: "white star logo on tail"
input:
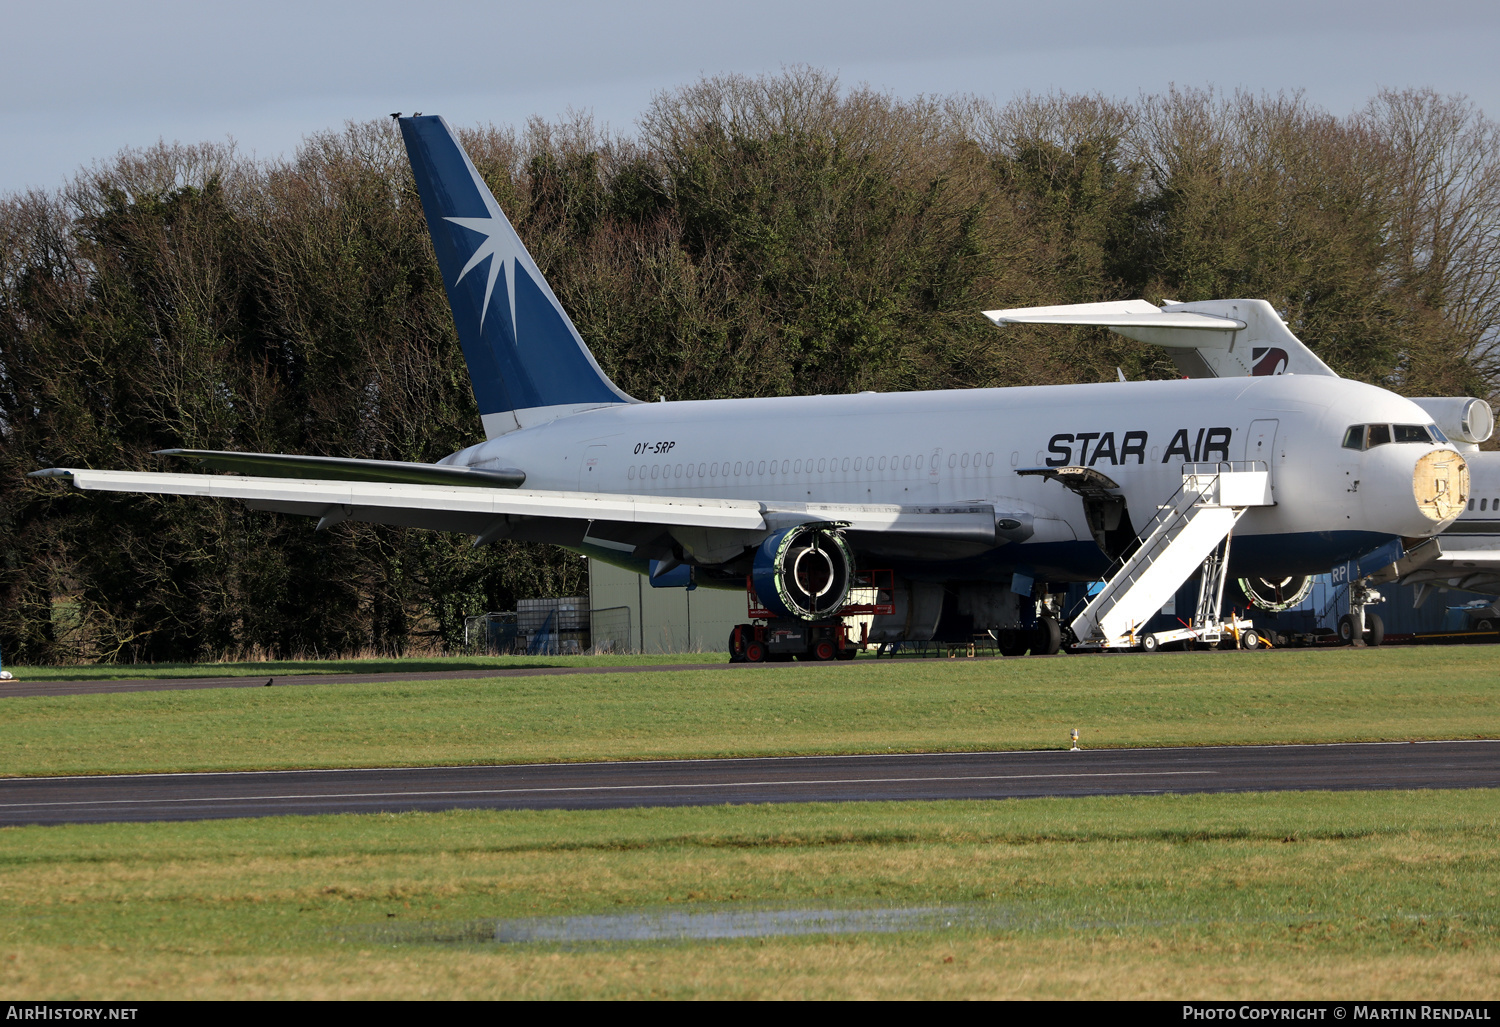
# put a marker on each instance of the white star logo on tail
(495, 230)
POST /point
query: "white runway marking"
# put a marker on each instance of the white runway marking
(599, 788)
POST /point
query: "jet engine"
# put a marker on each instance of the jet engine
(804, 572)
(1464, 419)
(1276, 594)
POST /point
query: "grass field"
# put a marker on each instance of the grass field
(1284, 895)
(1378, 895)
(868, 706)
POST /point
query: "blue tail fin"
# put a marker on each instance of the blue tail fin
(527, 362)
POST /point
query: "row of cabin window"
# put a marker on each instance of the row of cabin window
(1483, 502)
(957, 461)
(1368, 436)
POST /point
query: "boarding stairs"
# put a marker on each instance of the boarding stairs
(1190, 531)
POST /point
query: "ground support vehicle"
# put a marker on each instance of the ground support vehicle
(1231, 632)
(1325, 637)
(780, 640)
(1190, 533)
(769, 638)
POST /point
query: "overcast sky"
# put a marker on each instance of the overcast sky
(81, 81)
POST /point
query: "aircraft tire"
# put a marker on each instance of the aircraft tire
(1374, 629)
(1012, 642)
(755, 652)
(737, 646)
(1046, 637)
(1347, 629)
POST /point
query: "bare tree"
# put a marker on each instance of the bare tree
(1443, 163)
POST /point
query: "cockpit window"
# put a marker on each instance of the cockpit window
(1368, 436)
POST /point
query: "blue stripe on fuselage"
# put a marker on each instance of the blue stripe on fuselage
(1259, 555)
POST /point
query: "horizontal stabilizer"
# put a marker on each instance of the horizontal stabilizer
(1088, 314)
(1209, 339)
(279, 465)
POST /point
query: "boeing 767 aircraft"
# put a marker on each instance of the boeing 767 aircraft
(986, 501)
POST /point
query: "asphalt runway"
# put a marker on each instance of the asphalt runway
(994, 775)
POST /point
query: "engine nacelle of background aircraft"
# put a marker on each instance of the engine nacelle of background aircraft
(804, 572)
(1463, 419)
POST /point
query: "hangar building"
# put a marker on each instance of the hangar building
(660, 620)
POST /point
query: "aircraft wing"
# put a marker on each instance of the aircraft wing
(1469, 564)
(635, 525)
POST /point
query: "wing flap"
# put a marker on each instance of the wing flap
(337, 468)
(963, 522)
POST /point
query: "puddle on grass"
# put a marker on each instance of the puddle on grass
(669, 925)
(710, 924)
(676, 925)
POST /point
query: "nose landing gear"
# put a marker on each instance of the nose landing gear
(1360, 626)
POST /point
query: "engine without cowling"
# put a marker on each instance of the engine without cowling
(804, 572)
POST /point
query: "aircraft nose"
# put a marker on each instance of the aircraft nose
(1440, 484)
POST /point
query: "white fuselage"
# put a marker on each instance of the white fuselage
(963, 446)
(1481, 516)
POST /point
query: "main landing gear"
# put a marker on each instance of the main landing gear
(1373, 634)
(1043, 638)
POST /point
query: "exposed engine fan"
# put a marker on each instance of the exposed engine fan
(1276, 594)
(804, 572)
